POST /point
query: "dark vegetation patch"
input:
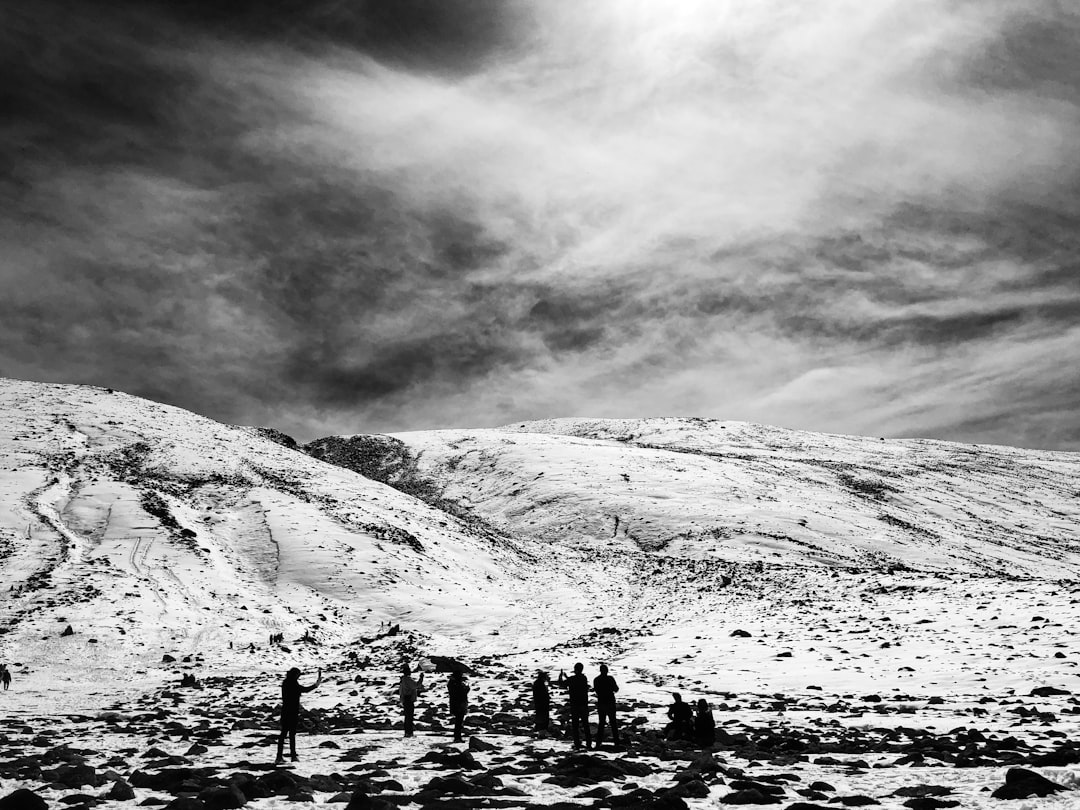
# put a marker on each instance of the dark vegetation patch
(155, 505)
(380, 458)
(892, 520)
(277, 436)
(871, 488)
(389, 461)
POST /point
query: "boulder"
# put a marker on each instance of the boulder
(73, 776)
(120, 791)
(444, 663)
(223, 797)
(455, 760)
(749, 796)
(592, 768)
(362, 801)
(23, 799)
(185, 803)
(1020, 783)
(1048, 691)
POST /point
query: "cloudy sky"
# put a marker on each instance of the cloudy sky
(339, 216)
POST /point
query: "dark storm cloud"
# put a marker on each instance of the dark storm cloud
(336, 216)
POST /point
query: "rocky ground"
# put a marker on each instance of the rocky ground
(213, 744)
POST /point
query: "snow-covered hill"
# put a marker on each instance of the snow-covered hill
(151, 531)
(742, 492)
(825, 594)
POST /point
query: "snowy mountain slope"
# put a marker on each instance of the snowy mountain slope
(154, 531)
(741, 492)
(749, 567)
(151, 530)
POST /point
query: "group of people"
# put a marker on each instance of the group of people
(689, 723)
(604, 687)
(457, 696)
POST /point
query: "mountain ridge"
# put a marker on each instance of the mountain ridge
(154, 532)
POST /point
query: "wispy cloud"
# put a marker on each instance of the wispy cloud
(839, 216)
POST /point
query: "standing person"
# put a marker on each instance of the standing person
(459, 701)
(290, 712)
(605, 688)
(577, 687)
(704, 725)
(408, 690)
(541, 701)
(5, 676)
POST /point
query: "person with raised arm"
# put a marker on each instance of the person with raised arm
(290, 712)
(577, 688)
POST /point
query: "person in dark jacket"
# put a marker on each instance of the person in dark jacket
(290, 712)
(704, 725)
(459, 702)
(541, 693)
(408, 690)
(681, 716)
(577, 688)
(605, 688)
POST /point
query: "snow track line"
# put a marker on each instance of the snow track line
(146, 552)
(273, 542)
(131, 556)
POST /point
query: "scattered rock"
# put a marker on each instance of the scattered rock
(749, 796)
(930, 803)
(23, 799)
(1020, 783)
(120, 791)
(227, 797)
(1048, 691)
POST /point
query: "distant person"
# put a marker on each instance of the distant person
(577, 687)
(5, 676)
(290, 711)
(704, 725)
(408, 691)
(681, 716)
(458, 692)
(541, 693)
(605, 688)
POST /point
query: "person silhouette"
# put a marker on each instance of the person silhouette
(290, 712)
(605, 688)
(682, 718)
(704, 725)
(577, 687)
(5, 676)
(541, 701)
(408, 691)
(458, 692)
